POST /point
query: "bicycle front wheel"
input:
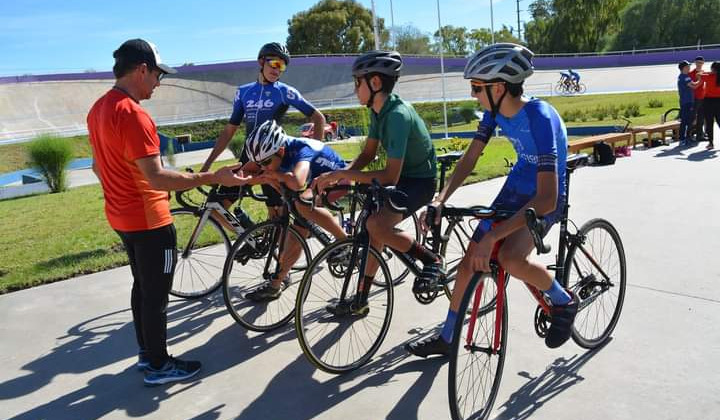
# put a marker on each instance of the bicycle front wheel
(581, 88)
(595, 271)
(202, 249)
(334, 342)
(476, 362)
(254, 258)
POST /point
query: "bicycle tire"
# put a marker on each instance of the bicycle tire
(560, 88)
(199, 273)
(322, 335)
(254, 249)
(581, 88)
(599, 297)
(476, 360)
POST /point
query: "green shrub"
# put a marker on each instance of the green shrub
(632, 110)
(51, 155)
(600, 113)
(655, 103)
(568, 116)
(614, 112)
(457, 144)
(467, 112)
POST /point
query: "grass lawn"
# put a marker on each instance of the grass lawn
(50, 237)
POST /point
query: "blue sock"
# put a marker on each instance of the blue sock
(557, 295)
(447, 331)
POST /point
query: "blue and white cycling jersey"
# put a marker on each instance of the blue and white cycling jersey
(259, 103)
(539, 137)
(322, 157)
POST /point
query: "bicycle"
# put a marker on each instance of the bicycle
(479, 344)
(567, 86)
(202, 242)
(322, 334)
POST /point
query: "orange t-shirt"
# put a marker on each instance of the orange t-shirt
(121, 132)
(712, 90)
(699, 91)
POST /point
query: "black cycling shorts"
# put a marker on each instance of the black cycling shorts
(419, 191)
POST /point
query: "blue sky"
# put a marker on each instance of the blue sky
(51, 36)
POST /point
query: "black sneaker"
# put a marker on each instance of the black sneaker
(264, 293)
(143, 360)
(561, 321)
(429, 278)
(348, 308)
(429, 346)
(174, 370)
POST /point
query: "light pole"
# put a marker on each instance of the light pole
(375, 28)
(442, 69)
(492, 23)
(392, 25)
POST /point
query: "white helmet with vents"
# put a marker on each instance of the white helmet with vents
(265, 140)
(505, 61)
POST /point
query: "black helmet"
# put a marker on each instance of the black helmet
(385, 62)
(275, 49)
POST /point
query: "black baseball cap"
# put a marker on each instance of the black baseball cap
(139, 51)
(683, 64)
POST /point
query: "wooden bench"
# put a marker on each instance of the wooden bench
(576, 145)
(660, 128)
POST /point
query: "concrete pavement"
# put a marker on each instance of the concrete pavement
(68, 348)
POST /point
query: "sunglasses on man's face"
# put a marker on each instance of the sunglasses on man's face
(478, 87)
(277, 64)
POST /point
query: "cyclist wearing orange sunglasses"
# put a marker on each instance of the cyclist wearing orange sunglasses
(265, 99)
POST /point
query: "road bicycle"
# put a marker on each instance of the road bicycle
(203, 242)
(338, 342)
(590, 262)
(567, 86)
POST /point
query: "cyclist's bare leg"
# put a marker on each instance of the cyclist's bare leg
(322, 217)
(289, 255)
(381, 229)
(513, 256)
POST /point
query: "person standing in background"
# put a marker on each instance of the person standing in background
(698, 114)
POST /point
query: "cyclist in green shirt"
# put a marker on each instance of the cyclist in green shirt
(411, 162)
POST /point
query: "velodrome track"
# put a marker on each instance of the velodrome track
(28, 109)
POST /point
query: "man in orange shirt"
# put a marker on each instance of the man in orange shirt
(126, 159)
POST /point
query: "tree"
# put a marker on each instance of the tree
(454, 40)
(409, 40)
(334, 26)
(571, 25)
(481, 37)
(667, 23)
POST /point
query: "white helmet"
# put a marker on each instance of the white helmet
(265, 140)
(506, 61)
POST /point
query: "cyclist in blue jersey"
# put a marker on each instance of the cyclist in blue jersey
(294, 163)
(538, 135)
(260, 101)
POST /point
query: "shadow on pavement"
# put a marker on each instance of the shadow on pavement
(294, 393)
(558, 377)
(108, 339)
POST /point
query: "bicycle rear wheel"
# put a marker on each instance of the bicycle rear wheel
(250, 264)
(476, 365)
(341, 343)
(198, 271)
(595, 271)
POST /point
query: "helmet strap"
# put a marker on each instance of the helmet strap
(371, 100)
(494, 107)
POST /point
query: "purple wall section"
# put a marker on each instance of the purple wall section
(451, 64)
